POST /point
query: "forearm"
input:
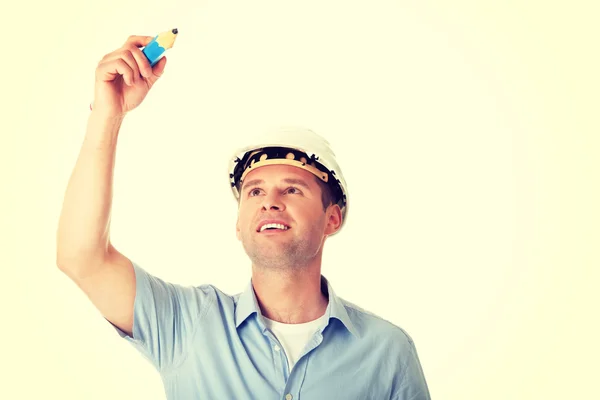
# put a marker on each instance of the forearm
(83, 229)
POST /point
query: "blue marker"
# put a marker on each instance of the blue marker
(161, 42)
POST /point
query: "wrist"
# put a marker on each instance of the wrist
(104, 126)
(106, 116)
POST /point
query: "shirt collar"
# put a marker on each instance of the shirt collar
(247, 305)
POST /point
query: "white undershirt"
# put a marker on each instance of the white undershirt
(293, 337)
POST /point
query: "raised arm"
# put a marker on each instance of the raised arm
(84, 251)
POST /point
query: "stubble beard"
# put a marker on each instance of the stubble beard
(280, 255)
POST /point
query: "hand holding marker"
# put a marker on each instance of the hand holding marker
(124, 76)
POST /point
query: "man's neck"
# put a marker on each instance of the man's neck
(289, 297)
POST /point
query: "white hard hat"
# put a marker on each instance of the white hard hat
(296, 146)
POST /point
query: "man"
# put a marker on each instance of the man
(287, 336)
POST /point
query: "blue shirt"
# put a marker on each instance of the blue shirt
(206, 344)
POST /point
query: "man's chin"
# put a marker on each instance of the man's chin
(270, 256)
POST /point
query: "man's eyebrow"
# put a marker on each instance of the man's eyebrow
(293, 181)
(298, 182)
(253, 182)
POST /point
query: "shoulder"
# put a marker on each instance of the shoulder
(372, 325)
(159, 292)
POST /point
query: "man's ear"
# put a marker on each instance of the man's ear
(334, 219)
(237, 229)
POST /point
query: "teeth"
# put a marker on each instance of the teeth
(273, 226)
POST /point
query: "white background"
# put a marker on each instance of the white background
(467, 132)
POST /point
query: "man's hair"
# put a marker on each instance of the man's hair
(326, 193)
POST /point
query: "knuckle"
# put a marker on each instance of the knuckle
(125, 53)
(121, 63)
(101, 64)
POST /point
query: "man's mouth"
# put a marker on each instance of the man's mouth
(273, 228)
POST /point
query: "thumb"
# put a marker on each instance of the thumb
(158, 69)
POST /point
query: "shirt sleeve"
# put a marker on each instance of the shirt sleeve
(413, 385)
(165, 318)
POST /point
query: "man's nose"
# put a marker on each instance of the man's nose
(272, 201)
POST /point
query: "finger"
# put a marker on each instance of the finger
(110, 70)
(138, 41)
(132, 41)
(127, 56)
(158, 70)
(142, 62)
(159, 67)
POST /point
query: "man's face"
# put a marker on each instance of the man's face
(292, 196)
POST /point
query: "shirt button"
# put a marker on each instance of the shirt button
(277, 348)
(288, 397)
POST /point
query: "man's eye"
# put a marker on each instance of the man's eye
(250, 193)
